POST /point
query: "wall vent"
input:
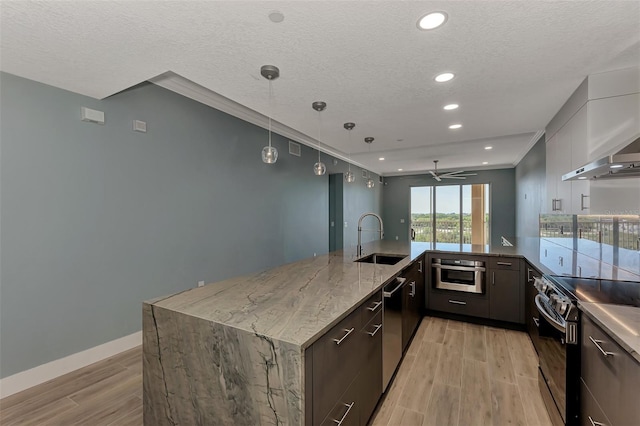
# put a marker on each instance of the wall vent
(294, 149)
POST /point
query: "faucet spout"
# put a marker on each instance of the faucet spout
(381, 230)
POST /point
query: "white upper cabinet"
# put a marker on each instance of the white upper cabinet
(600, 118)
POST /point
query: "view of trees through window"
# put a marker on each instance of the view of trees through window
(450, 214)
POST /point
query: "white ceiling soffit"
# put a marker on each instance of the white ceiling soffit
(516, 63)
(189, 89)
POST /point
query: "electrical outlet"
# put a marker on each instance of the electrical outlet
(200, 283)
(401, 220)
(396, 237)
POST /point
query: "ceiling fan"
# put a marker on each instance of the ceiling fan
(460, 174)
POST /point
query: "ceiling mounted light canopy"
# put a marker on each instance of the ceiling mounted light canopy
(319, 168)
(444, 77)
(269, 153)
(349, 177)
(370, 182)
(432, 20)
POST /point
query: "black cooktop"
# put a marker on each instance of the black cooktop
(601, 291)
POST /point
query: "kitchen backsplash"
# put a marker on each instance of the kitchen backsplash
(600, 246)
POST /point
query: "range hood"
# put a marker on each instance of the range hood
(625, 163)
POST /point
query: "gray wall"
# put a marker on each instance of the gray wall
(397, 196)
(531, 190)
(97, 218)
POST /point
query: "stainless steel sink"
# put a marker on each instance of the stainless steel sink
(383, 259)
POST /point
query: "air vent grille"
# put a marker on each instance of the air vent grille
(294, 148)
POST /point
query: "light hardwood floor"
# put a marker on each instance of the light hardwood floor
(457, 373)
(453, 373)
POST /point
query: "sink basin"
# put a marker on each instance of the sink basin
(383, 259)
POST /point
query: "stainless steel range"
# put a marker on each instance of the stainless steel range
(558, 337)
(558, 350)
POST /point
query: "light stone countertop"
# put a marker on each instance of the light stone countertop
(297, 302)
(622, 323)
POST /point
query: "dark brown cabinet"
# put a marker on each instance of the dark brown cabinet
(611, 377)
(370, 378)
(505, 299)
(346, 368)
(336, 362)
(412, 300)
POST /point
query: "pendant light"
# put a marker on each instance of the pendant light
(370, 182)
(349, 177)
(269, 153)
(319, 168)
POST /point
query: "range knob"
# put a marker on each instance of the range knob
(562, 307)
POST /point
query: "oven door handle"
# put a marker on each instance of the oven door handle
(554, 322)
(459, 268)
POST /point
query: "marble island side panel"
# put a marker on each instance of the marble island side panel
(198, 372)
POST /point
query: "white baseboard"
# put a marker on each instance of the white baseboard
(45, 372)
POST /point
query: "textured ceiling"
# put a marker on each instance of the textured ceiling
(516, 62)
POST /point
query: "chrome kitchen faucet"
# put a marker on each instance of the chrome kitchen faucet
(381, 230)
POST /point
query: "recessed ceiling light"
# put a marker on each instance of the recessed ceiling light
(582, 178)
(381, 158)
(399, 170)
(485, 162)
(432, 20)
(441, 78)
(488, 147)
(450, 107)
(616, 166)
(276, 17)
(455, 126)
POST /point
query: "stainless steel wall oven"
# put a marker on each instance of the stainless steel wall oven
(459, 275)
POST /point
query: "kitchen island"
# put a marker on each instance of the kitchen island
(237, 351)
(233, 352)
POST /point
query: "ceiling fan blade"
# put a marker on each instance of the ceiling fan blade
(453, 177)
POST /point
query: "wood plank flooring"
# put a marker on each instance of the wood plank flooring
(454, 373)
(463, 374)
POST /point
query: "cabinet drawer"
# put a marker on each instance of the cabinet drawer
(371, 307)
(346, 411)
(612, 379)
(458, 302)
(590, 411)
(370, 377)
(336, 361)
(511, 263)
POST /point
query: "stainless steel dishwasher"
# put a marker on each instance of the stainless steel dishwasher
(392, 329)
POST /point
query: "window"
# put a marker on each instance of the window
(450, 214)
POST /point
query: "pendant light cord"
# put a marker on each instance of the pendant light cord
(319, 129)
(270, 110)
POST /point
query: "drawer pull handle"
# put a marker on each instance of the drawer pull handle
(373, 333)
(374, 306)
(420, 265)
(349, 407)
(457, 302)
(594, 423)
(349, 331)
(536, 321)
(413, 288)
(503, 263)
(597, 343)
